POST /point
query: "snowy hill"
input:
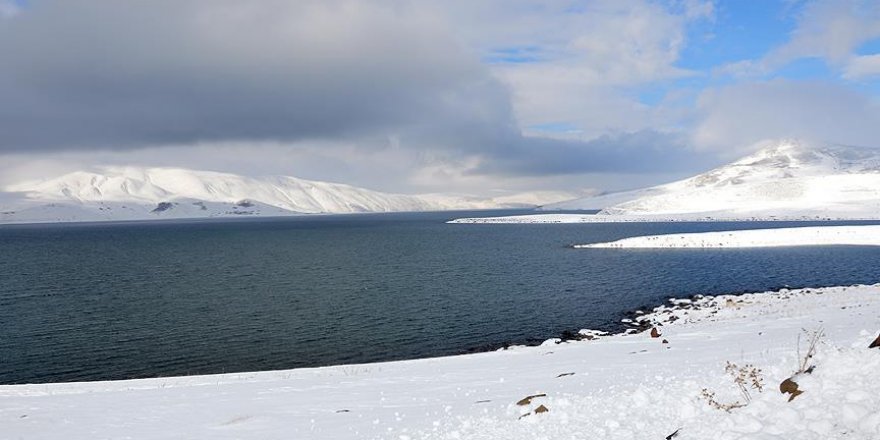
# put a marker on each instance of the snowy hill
(788, 179)
(132, 193)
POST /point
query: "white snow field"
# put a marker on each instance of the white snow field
(134, 193)
(631, 386)
(787, 180)
(860, 235)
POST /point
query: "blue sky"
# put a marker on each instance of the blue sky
(735, 32)
(417, 95)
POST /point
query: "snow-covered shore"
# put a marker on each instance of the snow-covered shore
(860, 235)
(624, 386)
(664, 218)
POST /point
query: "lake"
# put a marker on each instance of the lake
(144, 299)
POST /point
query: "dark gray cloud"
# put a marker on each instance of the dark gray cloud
(111, 74)
(100, 74)
(638, 152)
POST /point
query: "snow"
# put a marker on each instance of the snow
(862, 235)
(135, 193)
(616, 387)
(786, 180)
(786, 176)
(623, 218)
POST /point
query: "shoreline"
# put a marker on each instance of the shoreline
(634, 321)
(611, 386)
(544, 219)
(627, 324)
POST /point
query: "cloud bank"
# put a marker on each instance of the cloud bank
(407, 93)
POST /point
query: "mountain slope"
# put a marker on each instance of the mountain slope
(788, 178)
(155, 185)
(133, 193)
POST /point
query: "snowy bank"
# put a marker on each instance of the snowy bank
(615, 387)
(663, 218)
(862, 235)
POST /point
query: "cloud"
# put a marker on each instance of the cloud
(9, 9)
(405, 92)
(106, 74)
(862, 66)
(830, 30)
(340, 78)
(636, 152)
(573, 62)
(737, 116)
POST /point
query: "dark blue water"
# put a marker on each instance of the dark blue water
(113, 301)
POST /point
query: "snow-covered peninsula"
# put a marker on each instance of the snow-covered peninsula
(861, 235)
(681, 381)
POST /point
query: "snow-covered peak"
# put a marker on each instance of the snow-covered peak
(790, 159)
(783, 177)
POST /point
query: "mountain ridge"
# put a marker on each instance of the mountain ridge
(143, 193)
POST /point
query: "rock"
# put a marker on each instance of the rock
(163, 206)
(876, 343)
(528, 399)
(654, 332)
(789, 386)
(541, 409)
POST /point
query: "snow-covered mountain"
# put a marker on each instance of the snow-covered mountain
(133, 193)
(787, 178)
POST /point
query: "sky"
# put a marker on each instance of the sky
(478, 97)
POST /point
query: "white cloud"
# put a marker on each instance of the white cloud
(830, 30)
(862, 66)
(737, 116)
(699, 9)
(588, 57)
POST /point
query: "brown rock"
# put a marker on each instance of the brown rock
(541, 409)
(789, 386)
(654, 332)
(528, 399)
(876, 343)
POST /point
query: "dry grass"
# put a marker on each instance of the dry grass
(746, 378)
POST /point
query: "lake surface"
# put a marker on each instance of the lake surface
(126, 300)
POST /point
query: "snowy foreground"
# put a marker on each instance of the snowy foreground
(862, 235)
(620, 387)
